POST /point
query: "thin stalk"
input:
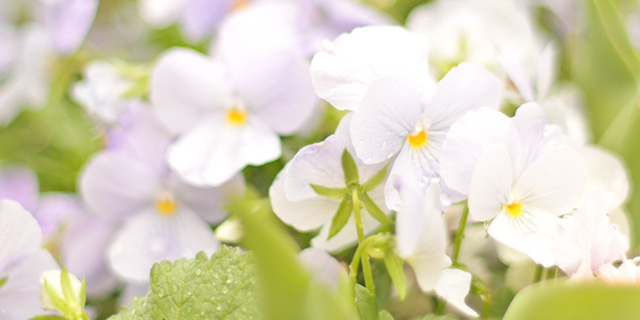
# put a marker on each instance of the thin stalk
(355, 263)
(538, 276)
(486, 304)
(460, 234)
(366, 265)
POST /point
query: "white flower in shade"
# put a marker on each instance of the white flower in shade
(162, 216)
(27, 84)
(627, 273)
(68, 22)
(472, 30)
(324, 268)
(524, 207)
(345, 68)
(22, 261)
(399, 118)
(296, 203)
(228, 111)
(421, 238)
(102, 91)
(526, 135)
(588, 238)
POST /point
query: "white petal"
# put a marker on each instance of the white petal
(554, 182)
(325, 268)
(115, 185)
(343, 71)
(20, 295)
(160, 13)
(20, 184)
(546, 70)
(453, 286)
(185, 86)
(148, 238)
(304, 215)
(389, 112)
(490, 183)
(213, 151)
(466, 87)
(467, 139)
(20, 234)
(532, 233)
(347, 237)
(69, 23)
(606, 172)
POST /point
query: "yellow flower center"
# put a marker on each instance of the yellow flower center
(513, 209)
(236, 117)
(418, 140)
(239, 4)
(166, 205)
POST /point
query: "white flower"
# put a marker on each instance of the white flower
(228, 112)
(296, 203)
(22, 261)
(627, 273)
(343, 71)
(53, 280)
(101, 92)
(422, 240)
(587, 237)
(399, 117)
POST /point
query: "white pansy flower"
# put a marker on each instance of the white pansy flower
(399, 118)
(422, 240)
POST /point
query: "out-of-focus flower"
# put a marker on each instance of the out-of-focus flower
(587, 237)
(345, 68)
(324, 268)
(20, 184)
(103, 91)
(627, 273)
(228, 111)
(22, 261)
(163, 217)
(296, 203)
(398, 118)
(422, 241)
(68, 22)
(472, 30)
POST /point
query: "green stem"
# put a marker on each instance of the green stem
(355, 263)
(538, 276)
(460, 234)
(366, 266)
(486, 304)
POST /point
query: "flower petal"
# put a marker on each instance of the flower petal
(115, 185)
(343, 71)
(453, 286)
(185, 86)
(555, 182)
(466, 87)
(20, 234)
(214, 151)
(20, 184)
(490, 183)
(389, 112)
(69, 22)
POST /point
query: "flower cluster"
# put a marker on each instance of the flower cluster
(461, 156)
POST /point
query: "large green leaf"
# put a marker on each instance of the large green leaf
(218, 288)
(584, 301)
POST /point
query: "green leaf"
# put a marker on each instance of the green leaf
(395, 267)
(385, 315)
(58, 302)
(375, 211)
(341, 217)
(331, 193)
(376, 179)
(437, 317)
(220, 287)
(584, 301)
(288, 290)
(67, 288)
(350, 169)
(3, 281)
(83, 292)
(48, 317)
(366, 304)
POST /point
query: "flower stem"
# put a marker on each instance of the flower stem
(538, 276)
(460, 234)
(355, 263)
(366, 266)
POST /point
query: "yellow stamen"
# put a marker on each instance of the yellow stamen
(166, 206)
(513, 209)
(236, 117)
(418, 140)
